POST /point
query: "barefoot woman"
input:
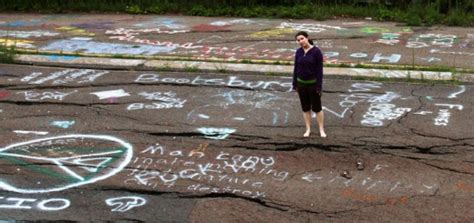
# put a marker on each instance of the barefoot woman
(308, 81)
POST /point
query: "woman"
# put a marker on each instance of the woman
(308, 81)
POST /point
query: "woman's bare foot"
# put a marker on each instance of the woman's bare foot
(307, 133)
(322, 133)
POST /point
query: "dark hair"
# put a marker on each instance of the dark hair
(305, 34)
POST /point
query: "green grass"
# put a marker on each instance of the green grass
(7, 54)
(191, 69)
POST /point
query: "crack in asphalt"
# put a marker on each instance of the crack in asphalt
(151, 192)
(416, 132)
(268, 204)
(292, 146)
(446, 168)
(422, 161)
(46, 103)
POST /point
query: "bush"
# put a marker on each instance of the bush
(224, 11)
(432, 16)
(413, 16)
(134, 9)
(320, 14)
(157, 9)
(198, 10)
(458, 18)
(385, 14)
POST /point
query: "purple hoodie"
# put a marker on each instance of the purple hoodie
(309, 67)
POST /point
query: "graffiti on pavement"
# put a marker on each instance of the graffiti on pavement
(64, 77)
(71, 162)
(124, 204)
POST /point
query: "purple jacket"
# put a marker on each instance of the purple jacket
(309, 67)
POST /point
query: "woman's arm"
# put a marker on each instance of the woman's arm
(319, 70)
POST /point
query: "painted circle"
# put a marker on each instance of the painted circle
(57, 151)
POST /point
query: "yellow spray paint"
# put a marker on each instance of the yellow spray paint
(17, 43)
(75, 31)
(272, 33)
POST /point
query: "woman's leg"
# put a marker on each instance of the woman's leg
(307, 122)
(305, 98)
(320, 118)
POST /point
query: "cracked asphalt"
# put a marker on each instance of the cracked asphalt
(131, 146)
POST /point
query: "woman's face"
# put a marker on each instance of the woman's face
(302, 40)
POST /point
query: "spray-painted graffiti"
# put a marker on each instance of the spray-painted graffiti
(61, 58)
(50, 204)
(167, 100)
(374, 30)
(369, 181)
(215, 38)
(230, 81)
(23, 23)
(309, 27)
(63, 124)
(40, 96)
(170, 24)
(380, 109)
(30, 132)
(430, 39)
(246, 51)
(64, 77)
(227, 173)
(389, 38)
(393, 58)
(124, 204)
(126, 34)
(105, 48)
(75, 31)
(17, 43)
(431, 59)
(353, 99)
(274, 109)
(211, 28)
(4, 94)
(272, 33)
(444, 114)
(111, 94)
(216, 133)
(71, 162)
(26, 34)
(233, 22)
(455, 94)
(359, 55)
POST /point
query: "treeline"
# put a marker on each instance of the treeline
(411, 12)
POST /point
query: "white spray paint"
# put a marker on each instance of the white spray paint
(78, 159)
(216, 133)
(63, 124)
(40, 96)
(51, 204)
(65, 76)
(455, 94)
(167, 100)
(111, 94)
(30, 132)
(125, 203)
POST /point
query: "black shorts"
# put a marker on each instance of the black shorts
(310, 99)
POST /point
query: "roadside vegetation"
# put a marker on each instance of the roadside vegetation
(410, 12)
(7, 53)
